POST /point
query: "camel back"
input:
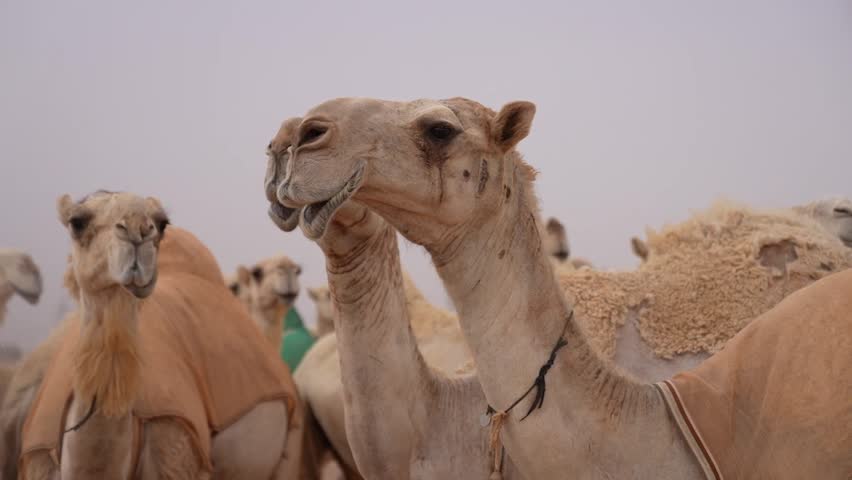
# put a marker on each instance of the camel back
(776, 402)
(203, 360)
(704, 280)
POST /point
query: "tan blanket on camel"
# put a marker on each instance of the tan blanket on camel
(776, 402)
(203, 359)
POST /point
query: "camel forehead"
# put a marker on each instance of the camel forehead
(279, 262)
(469, 112)
(108, 205)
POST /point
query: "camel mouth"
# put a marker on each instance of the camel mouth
(285, 218)
(316, 216)
(289, 297)
(31, 297)
(142, 291)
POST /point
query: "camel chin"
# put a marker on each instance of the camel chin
(286, 219)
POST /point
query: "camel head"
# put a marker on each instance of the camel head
(555, 241)
(427, 166)
(19, 274)
(322, 299)
(835, 214)
(274, 282)
(278, 156)
(116, 238)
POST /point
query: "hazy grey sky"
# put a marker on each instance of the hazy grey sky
(646, 110)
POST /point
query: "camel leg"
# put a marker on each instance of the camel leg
(253, 447)
(168, 453)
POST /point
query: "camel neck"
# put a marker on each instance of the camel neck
(270, 320)
(512, 312)
(106, 359)
(381, 366)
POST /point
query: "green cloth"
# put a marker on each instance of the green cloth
(297, 340)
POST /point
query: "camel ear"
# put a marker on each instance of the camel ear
(513, 124)
(257, 273)
(639, 248)
(243, 275)
(312, 292)
(554, 226)
(64, 205)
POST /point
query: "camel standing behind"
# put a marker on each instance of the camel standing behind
(273, 288)
(446, 175)
(18, 274)
(325, 310)
(117, 262)
(833, 214)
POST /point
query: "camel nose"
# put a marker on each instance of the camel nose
(137, 235)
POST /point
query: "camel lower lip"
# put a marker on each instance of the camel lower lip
(284, 218)
(315, 217)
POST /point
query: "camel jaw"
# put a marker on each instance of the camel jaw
(285, 218)
(315, 217)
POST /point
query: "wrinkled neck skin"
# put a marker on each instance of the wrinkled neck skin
(270, 320)
(378, 358)
(392, 397)
(594, 422)
(105, 364)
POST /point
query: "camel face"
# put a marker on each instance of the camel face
(116, 237)
(427, 166)
(19, 274)
(322, 298)
(839, 221)
(278, 154)
(275, 281)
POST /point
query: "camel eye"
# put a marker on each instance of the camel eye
(257, 274)
(161, 225)
(843, 211)
(79, 223)
(312, 134)
(442, 131)
(298, 270)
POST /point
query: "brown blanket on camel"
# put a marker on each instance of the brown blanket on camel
(776, 402)
(203, 359)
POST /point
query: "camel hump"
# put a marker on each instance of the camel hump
(183, 252)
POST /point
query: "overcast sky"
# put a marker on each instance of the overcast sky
(646, 110)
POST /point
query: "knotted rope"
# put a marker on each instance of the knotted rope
(540, 386)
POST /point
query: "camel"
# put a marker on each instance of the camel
(447, 176)
(325, 310)
(554, 241)
(18, 274)
(392, 415)
(833, 214)
(319, 376)
(273, 289)
(130, 274)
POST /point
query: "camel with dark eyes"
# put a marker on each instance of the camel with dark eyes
(446, 175)
(145, 292)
